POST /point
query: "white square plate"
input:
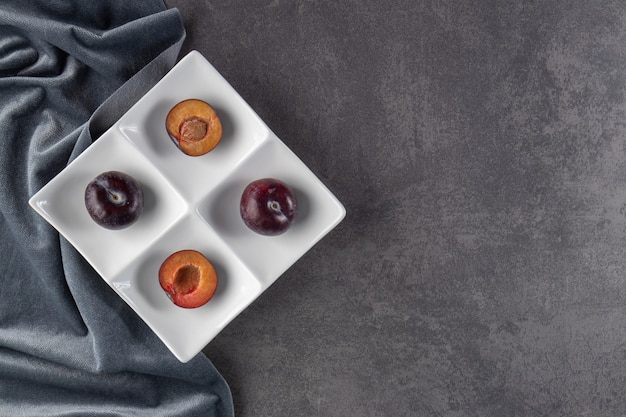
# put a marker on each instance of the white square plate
(190, 203)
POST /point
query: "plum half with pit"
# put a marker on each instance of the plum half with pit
(114, 200)
(268, 206)
(194, 127)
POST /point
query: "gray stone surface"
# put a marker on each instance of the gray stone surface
(479, 148)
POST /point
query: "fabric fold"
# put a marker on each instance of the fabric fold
(68, 344)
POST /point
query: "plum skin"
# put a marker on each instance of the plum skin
(268, 206)
(114, 200)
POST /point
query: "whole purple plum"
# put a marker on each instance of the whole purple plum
(114, 200)
(268, 206)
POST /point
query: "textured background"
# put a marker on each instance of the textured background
(479, 149)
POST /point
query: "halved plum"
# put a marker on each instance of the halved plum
(188, 278)
(194, 127)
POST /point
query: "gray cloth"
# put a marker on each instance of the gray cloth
(69, 346)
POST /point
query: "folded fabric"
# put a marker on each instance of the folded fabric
(69, 346)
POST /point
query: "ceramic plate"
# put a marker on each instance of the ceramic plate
(190, 203)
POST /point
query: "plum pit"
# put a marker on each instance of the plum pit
(193, 129)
